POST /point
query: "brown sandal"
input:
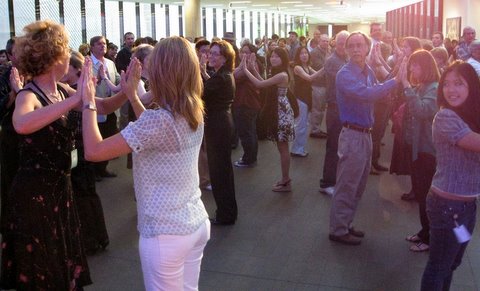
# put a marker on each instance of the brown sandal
(282, 186)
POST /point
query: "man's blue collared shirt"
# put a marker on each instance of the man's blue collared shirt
(357, 90)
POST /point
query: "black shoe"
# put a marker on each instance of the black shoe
(215, 221)
(108, 174)
(346, 239)
(379, 167)
(241, 164)
(357, 233)
(98, 178)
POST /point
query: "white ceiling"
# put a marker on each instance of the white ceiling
(318, 11)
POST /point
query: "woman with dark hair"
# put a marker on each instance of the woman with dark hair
(247, 106)
(303, 76)
(218, 97)
(451, 202)
(278, 110)
(420, 82)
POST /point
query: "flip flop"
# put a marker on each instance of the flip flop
(414, 238)
(420, 247)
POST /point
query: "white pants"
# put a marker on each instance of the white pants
(319, 104)
(172, 262)
(301, 126)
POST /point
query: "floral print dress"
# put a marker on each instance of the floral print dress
(286, 120)
(42, 248)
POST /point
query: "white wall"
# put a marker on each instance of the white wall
(468, 10)
(365, 28)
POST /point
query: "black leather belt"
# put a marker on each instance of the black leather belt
(357, 128)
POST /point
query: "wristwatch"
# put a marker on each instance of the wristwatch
(90, 106)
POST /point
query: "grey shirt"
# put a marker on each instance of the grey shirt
(318, 57)
(458, 169)
(333, 64)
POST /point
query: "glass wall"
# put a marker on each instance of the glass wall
(83, 19)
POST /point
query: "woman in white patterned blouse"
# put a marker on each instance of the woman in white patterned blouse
(165, 141)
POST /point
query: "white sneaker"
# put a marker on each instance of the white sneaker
(328, 190)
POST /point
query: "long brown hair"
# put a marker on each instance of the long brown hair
(428, 64)
(175, 80)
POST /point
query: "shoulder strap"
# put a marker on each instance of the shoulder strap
(37, 94)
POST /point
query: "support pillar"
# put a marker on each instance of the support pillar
(192, 18)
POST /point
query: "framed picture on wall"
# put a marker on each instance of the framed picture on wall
(454, 28)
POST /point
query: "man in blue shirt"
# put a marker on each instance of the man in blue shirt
(357, 91)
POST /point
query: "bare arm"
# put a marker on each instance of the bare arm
(470, 142)
(30, 116)
(279, 79)
(299, 71)
(104, 105)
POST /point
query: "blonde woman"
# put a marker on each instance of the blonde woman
(165, 141)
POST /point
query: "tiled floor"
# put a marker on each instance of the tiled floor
(280, 241)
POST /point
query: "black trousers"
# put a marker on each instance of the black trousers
(382, 112)
(334, 126)
(423, 169)
(218, 133)
(89, 205)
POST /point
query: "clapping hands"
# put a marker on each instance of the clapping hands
(131, 78)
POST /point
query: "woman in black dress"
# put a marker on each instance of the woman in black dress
(42, 247)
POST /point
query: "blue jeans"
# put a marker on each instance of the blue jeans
(445, 252)
(246, 124)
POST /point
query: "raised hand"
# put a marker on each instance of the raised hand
(244, 63)
(87, 82)
(131, 78)
(402, 74)
(16, 80)
(101, 73)
(203, 62)
(252, 61)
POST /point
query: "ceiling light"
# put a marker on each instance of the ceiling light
(291, 2)
(303, 5)
(261, 5)
(240, 2)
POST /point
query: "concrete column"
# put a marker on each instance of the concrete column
(192, 18)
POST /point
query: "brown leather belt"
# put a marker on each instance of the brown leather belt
(357, 128)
